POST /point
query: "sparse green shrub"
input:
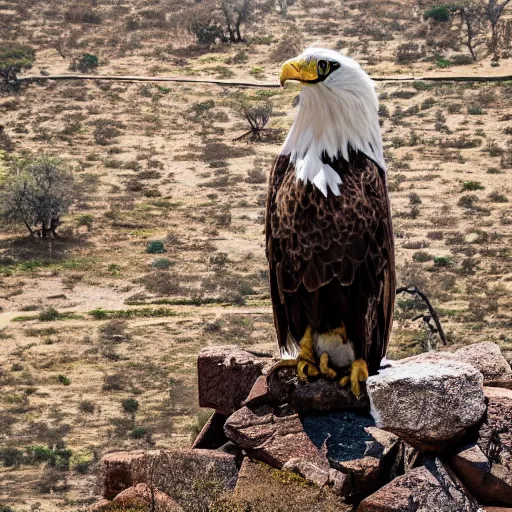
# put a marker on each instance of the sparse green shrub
(468, 186)
(408, 52)
(421, 256)
(86, 406)
(87, 62)
(130, 406)
(79, 14)
(85, 219)
(16, 55)
(65, 381)
(414, 198)
(441, 261)
(139, 432)
(106, 130)
(81, 461)
(162, 263)
(11, 456)
(202, 107)
(114, 382)
(98, 314)
(461, 59)
(48, 315)
(439, 13)
(498, 197)
(475, 110)
(468, 201)
(115, 331)
(155, 247)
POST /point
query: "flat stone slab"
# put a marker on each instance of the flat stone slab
(489, 483)
(272, 435)
(428, 489)
(427, 404)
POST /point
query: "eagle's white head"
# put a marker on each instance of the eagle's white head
(338, 110)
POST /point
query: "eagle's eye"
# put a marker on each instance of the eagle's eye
(323, 68)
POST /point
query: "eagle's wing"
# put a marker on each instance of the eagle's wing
(332, 259)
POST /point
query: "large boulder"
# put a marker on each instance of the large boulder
(177, 473)
(427, 488)
(486, 357)
(427, 404)
(226, 375)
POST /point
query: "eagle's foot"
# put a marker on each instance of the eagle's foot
(358, 373)
(325, 370)
(306, 368)
(306, 364)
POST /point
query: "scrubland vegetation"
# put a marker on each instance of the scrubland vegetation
(152, 244)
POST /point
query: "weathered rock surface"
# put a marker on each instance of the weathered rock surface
(489, 483)
(427, 489)
(226, 375)
(486, 357)
(174, 472)
(99, 506)
(316, 396)
(272, 435)
(427, 404)
(263, 489)
(141, 495)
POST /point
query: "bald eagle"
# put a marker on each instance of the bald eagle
(329, 238)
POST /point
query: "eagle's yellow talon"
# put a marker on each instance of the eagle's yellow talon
(344, 381)
(324, 366)
(358, 373)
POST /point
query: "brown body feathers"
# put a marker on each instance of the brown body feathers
(331, 258)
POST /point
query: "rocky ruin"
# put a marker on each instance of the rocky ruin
(433, 433)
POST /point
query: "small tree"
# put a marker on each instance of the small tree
(38, 193)
(471, 16)
(257, 116)
(236, 13)
(493, 12)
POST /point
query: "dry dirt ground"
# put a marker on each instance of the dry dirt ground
(128, 329)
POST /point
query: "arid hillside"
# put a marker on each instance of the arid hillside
(100, 327)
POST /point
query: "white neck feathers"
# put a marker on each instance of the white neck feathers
(334, 115)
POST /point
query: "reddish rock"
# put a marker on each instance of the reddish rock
(273, 436)
(226, 375)
(497, 509)
(427, 404)
(496, 434)
(143, 495)
(259, 393)
(99, 506)
(382, 462)
(424, 488)
(316, 396)
(262, 489)
(172, 471)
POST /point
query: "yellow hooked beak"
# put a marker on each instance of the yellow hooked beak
(299, 69)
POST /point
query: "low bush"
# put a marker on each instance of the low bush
(155, 247)
(16, 55)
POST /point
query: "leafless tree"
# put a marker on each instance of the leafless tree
(236, 13)
(257, 116)
(471, 16)
(493, 12)
(38, 193)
